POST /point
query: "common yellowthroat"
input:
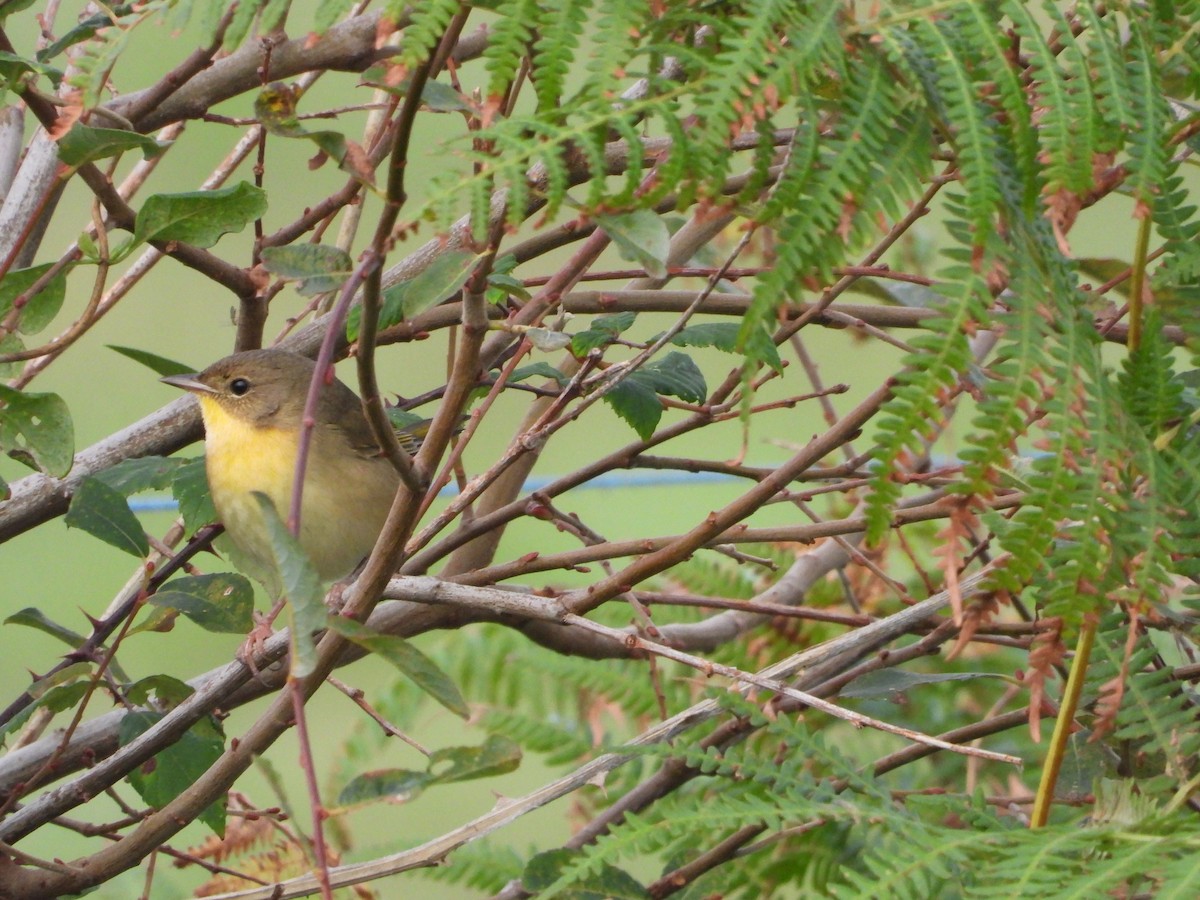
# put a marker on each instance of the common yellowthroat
(253, 405)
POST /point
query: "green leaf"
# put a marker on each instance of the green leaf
(66, 675)
(418, 667)
(642, 237)
(299, 583)
(175, 769)
(902, 293)
(603, 330)
(10, 343)
(545, 871)
(168, 692)
(13, 6)
(675, 375)
(538, 370)
(275, 108)
(222, 602)
(41, 308)
(318, 268)
(438, 281)
(437, 97)
(153, 361)
(393, 785)
(84, 30)
(13, 68)
(84, 144)
(32, 617)
(146, 473)
(103, 512)
(56, 699)
(497, 756)
(442, 98)
(638, 405)
(36, 429)
(723, 336)
(189, 487)
(502, 284)
(199, 218)
(888, 682)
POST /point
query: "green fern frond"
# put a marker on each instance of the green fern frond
(970, 124)
(427, 23)
(481, 866)
(1147, 145)
(555, 48)
(928, 376)
(1155, 721)
(1066, 124)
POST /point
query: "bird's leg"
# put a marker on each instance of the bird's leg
(257, 638)
(335, 599)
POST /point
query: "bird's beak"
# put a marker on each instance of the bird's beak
(190, 382)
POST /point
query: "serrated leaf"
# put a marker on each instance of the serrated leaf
(418, 667)
(200, 218)
(168, 692)
(104, 512)
(83, 144)
(318, 268)
(720, 335)
(153, 361)
(638, 405)
(761, 348)
(497, 755)
(41, 308)
(603, 330)
(723, 336)
(221, 602)
(37, 430)
(675, 375)
(393, 785)
(544, 873)
(146, 473)
(175, 769)
(641, 237)
(189, 487)
(300, 584)
(32, 617)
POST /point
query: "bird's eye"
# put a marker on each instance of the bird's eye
(239, 386)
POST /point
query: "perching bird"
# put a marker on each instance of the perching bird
(253, 406)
